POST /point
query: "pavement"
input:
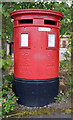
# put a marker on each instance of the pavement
(54, 115)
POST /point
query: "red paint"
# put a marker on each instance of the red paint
(12, 45)
(37, 61)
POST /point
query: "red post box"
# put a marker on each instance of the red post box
(36, 55)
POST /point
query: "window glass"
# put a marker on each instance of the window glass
(24, 40)
(51, 40)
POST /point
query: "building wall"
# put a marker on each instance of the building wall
(63, 47)
(63, 42)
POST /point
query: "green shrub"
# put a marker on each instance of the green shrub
(7, 96)
(5, 63)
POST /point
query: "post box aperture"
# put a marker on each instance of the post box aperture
(36, 55)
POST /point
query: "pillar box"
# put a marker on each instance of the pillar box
(36, 55)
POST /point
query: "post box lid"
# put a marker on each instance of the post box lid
(37, 11)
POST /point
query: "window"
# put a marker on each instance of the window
(51, 40)
(25, 21)
(50, 22)
(64, 44)
(24, 40)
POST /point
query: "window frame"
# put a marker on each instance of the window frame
(52, 33)
(26, 47)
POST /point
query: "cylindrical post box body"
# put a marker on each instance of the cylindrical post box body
(36, 55)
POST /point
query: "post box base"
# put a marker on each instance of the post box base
(36, 93)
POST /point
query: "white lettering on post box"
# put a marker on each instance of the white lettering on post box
(24, 40)
(44, 29)
(51, 40)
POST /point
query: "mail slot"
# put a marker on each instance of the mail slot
(36, 55)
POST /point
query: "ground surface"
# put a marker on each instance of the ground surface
(55, 110)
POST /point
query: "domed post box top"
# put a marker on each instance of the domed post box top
(28, 17)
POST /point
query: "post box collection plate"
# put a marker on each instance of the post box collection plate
(36, 55)
(44, 29)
